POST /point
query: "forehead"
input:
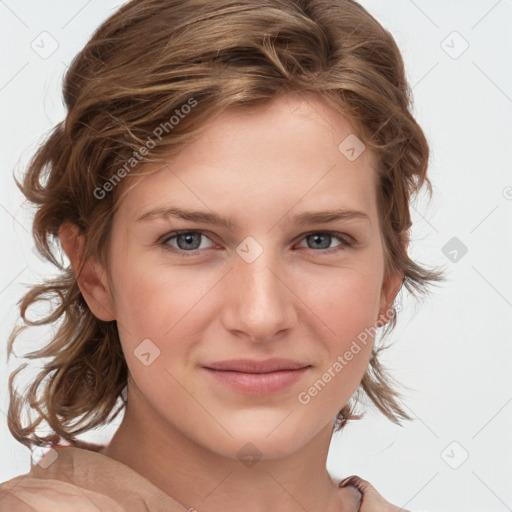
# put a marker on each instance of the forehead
(291, 150)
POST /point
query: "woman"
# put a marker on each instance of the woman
(231, 186)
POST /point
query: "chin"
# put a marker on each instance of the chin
(267, 439)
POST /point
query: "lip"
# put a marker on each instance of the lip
(254, 366)
(258, 377)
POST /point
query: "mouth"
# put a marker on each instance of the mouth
(255, 366)
(257, 377)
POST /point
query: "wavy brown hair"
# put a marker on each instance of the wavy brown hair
(152, 63)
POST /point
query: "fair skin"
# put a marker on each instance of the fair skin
(182, 429)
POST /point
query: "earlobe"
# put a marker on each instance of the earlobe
(92, 279)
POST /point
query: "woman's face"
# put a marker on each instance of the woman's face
(277, 284)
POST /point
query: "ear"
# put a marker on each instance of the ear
(390, 287)
(92, 280)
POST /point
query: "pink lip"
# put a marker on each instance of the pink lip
(258, 378)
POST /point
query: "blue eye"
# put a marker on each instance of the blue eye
(322, 240)
(186, 240)
(317, 241)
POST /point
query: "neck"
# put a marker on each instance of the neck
(201, 479)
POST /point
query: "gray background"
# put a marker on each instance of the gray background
(454, 353)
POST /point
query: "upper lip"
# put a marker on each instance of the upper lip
(255, 366)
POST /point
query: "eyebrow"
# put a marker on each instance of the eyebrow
(305, 218)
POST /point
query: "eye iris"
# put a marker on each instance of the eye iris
(188, 237)
(316, 238)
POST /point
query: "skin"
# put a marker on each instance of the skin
(182, 430)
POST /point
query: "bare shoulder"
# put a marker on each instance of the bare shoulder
(27, 494)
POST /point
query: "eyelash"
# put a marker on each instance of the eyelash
(347, 241)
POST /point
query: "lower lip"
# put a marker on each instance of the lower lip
(258, 383)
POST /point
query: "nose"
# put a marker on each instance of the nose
(260, 302)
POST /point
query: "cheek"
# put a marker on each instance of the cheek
(345, 306)
(348, 312)
(163, 304)
(157, 321)
(347, 300)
